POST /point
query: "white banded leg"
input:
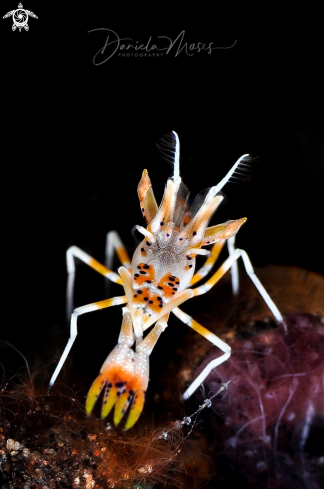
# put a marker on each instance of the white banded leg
(114, 301)
(75, 252)
(185, 318)
(202, 289)
(234, 268)
(115, 244)
(209, 263)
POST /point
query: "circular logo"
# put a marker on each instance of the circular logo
(20, 18)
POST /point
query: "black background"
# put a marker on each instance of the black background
(76, 137)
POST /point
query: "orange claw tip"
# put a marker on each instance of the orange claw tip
(135, 410)
(121, 406)
(94, 392)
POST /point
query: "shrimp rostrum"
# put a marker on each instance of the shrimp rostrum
(158, 280)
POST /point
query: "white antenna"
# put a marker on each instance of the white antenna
(176, 168)
(223, 182)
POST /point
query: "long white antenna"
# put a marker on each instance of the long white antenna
(176, 168)
(221, 184)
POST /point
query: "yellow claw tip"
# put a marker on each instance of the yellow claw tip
(88, 409)
(110, 398)
(135, 410)
(121, 407)
(94, 392)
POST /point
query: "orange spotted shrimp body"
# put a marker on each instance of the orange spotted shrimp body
(158, 281)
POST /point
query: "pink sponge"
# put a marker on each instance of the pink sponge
(272, 433)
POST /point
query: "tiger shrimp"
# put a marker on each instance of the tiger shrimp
(158, 280)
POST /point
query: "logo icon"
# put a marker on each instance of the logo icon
(20, 18)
